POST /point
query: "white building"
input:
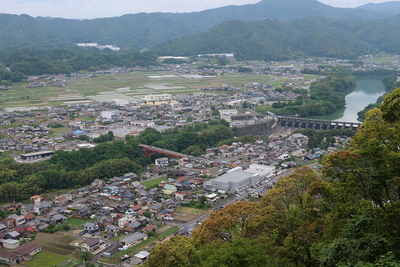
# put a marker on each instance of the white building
(162, 162)
(120, 102)
(110, 114)
(228, 111)
(262, 170)
(235, 181)
(87, 44)
(161, 97)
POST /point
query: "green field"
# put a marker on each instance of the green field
(191, 211)
(48, 259)
(136, 85)
(76, 223)
(152, 183)
(60, 130)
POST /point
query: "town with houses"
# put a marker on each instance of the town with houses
(123, 212)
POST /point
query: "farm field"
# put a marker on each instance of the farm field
(186, 214)
(132, 86)
(191, 211)
(48, 259)
(55, 250)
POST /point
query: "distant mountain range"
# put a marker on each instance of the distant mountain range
(143, 30)
(389, 7)
(279, 40)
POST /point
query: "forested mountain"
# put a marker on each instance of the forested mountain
(390, 7)
(144, 30)
(278, 40)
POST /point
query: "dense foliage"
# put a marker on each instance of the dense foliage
(37, 61)
(193, 141)
(348, 217)
(73, 169)
(327, 95)
(69, 169)
(281, 40)
(143, 30)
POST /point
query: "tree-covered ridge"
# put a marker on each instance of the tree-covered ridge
(349, 216)
(327, 95)
(279, 40)
(137, 31)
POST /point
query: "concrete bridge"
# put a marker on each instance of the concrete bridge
(151, 150)
(316, 124)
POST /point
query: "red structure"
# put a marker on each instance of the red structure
(151, 150)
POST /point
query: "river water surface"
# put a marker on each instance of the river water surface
(367, 91)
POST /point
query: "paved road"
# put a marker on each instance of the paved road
(112, 248)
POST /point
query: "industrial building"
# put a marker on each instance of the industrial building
(237, 179)
(161, 97)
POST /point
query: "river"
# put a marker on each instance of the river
(366, 91)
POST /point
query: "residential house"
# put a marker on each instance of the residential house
(61, 201)
(149, 228)
(133, 239)
(112, 231)
(156, 208)
(26, 209)
(29, 217)
(19, 220)
(12, 235)
(81, 191)
(9, 222)
(58, 219)
(3, 228)
(29, 249)
(35, 200)
(10, 243)
(169, 189)
(98, 183)
(130, 228)
(9, 258)
(90, 227)
(91, 244)
(162, 162)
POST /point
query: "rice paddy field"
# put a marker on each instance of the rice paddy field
(132, 86)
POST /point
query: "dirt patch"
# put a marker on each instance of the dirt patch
(185, 217)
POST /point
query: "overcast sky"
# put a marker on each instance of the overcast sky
(88, 9)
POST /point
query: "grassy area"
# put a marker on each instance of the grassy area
(168, 232)
(48, 259)
(60, 130)
(191, 211)
(76, 223)
(118, 237)
(152, 183)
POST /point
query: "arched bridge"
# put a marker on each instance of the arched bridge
(316, 124)
(151, 150)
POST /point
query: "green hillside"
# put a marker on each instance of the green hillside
(143, 30)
